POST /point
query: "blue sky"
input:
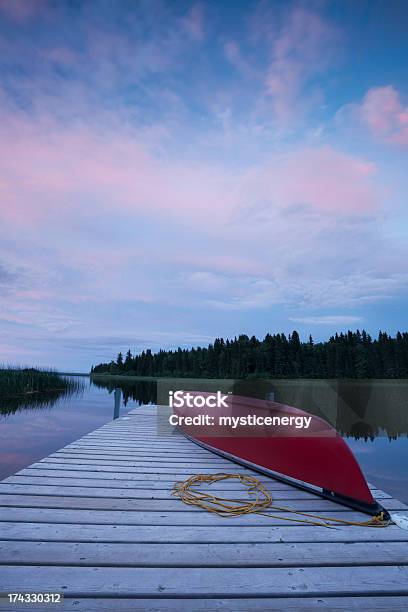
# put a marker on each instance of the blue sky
(171, 172)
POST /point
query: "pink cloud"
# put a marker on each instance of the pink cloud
(383, 113)
(62, 55)
(48, 170)
(21, 11)
(322, 179)
(97, 218)
(238, 60)
(194, 22)
(233, 54)
(302, 50)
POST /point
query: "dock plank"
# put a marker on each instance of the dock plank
(293, 604)
(134, 517)
(217, 533)
(47, 484)
(78, 478)
(305, 554)
(118, 503)
(208, 582)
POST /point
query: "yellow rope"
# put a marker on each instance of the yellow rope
(237, 507)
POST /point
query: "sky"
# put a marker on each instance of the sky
(172, 172)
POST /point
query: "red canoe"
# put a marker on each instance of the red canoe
(314, 458)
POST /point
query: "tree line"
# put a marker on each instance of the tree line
(345, 355)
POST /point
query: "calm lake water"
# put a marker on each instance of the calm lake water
(371, 415)
(30, 433)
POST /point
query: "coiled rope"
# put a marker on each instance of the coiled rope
(227, 507)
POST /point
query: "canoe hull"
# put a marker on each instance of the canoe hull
(316, 459)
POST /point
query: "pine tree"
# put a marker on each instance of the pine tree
(128, 361)
(354, 354)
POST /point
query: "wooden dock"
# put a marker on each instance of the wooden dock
(97, 522)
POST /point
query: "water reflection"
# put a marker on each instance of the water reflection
(355, 408)
(358, 409)
(39, 401)
(31, 430)
(139, 391)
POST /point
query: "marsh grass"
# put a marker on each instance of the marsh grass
(33, 388)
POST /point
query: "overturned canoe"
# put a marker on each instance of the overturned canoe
(281, 441)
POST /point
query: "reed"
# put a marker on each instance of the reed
(19, 381)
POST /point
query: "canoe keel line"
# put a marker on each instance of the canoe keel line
(316, 459)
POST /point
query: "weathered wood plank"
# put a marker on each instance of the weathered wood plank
(135, 427)
(134, 467)
(196, 534)
(165, 441)
(148, 444)
(136, 449)
(130, 502)
(72, 479)
(158, 481)
(121, 442)
(55, 487)
(204, 582)
(293, 604)
(171, 436)
(132, 517)
(293, 499)
(127, 473)
(113, 457)
(179, 468)
(78, 478)
(136, 431)
(162, 444)
(117, 503)
(107, 450)
(135, 485)
(161, 474)
(159, 433)
(307, 554)
(146, 479)
(145, 421)
(118, 469)
(44, 484)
